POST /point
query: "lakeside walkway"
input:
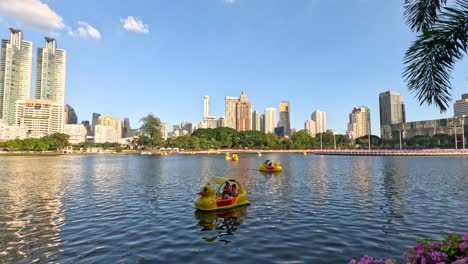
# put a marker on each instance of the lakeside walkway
(387, 152)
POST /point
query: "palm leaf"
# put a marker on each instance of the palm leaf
(431, 58)
(421, 14)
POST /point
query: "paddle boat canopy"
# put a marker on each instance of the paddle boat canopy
(270, 165)
(232, 157)
(210, 199)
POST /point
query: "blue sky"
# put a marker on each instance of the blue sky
(130, 58)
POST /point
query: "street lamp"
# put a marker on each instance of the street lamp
(321, 146)
(369, 135)
(401, 132)
(455, 133)
(463, 131)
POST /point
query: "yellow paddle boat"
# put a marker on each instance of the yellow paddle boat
(232, 157)
(229, 194)
(270, 165)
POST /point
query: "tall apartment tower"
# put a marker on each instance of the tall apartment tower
(243, 113)
(256, 125)
(320, 119)
(206, 106)
(230, 112)
(359, 122)
(262, 123)
(309, 127)
(460, 107)
(270, 120)
(284, 109)
(392, 111)
(94, 123)
(15, 73)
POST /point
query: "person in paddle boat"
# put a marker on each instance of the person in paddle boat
(229, 194)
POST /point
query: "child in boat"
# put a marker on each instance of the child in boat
(226, 191)
(234, 190)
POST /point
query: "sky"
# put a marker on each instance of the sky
(131, 58)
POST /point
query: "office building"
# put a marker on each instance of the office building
(70, 115)
(243, 113)
(309, 127)
(280, 131)
(359, 122)
(85, 123)
(460, 107)
(320, 119)
(256, 119)
(76, 132)
(94, 122)
(392, 111)
(270, 120)
(284, 115)
(40, 117)
(108, 130)
(230, 112)
(15, 73)
(262, 123)
(126, 129)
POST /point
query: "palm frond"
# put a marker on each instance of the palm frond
(421, 14)
(431, 58)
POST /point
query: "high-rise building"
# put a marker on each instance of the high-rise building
(50, 75)
(70, 115)
(460, 107)
(221, 122)
(309, 127)
(320, 119)
(51, 72)
(270, 120)
(256, 121)
(359, 122)
(210, 122)
(85, 123)
(392, 111)
(94, 122)
(108, 130)
(15, 73)
(243, 113)
(8, 132)
(76, 132)
(164, 130)
(206, 106)
(126, 129)
(230, 112)
(39, 117)
(284, 111)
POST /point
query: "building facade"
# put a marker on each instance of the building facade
(270, 120)
(460, 107)
(108, 130)
(8, 132)
(70, 116)
(40, 117)
(15, 73)
(243, 113)
(256, 119)
(77, 133)
(285, 117)
(309, 127)
(94, 122)
(392, 111)
(320, 119)
(359, 122)
(206, 106)
(221, 122)
(230, 112)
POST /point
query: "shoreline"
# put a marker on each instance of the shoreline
(328, 152)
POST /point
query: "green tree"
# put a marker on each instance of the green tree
(14, 145)
(151, 128)
(57, 140)
(302, 140)
(442, 41)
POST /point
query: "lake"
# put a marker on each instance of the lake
(139, 208)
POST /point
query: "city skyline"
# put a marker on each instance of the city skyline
(328, 80)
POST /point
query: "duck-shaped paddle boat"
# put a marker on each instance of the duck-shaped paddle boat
(229, 194)
(270, 165)
(232, 157)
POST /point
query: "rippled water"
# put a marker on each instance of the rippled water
(135, 209)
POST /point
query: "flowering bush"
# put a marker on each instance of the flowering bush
(370, 260)
(453, 249)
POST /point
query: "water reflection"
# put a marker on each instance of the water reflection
(271, 173)
(31, 212)
(224, 223)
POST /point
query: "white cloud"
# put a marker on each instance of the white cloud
(33, 13)
(134, 24)
(86, 31)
